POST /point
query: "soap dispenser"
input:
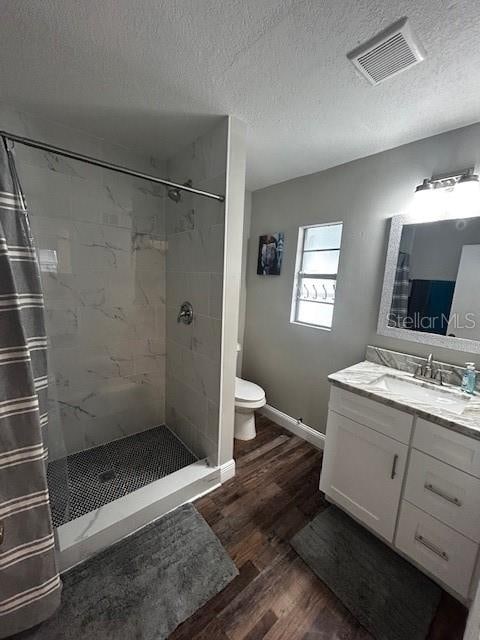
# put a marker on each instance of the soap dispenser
(469, 379)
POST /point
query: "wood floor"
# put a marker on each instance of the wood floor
(276, 596)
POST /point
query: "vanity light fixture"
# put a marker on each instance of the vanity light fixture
(427, 185)
(448, 181)
(449, 195)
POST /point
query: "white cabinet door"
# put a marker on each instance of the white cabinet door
(362, 472)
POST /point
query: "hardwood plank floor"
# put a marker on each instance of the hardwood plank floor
(276, 596)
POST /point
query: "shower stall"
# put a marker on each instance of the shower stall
(140, 395)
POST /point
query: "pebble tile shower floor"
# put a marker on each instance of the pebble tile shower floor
(85, 481)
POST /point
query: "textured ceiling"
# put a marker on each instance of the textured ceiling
(151, 74)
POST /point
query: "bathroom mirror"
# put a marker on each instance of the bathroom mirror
(431, 289)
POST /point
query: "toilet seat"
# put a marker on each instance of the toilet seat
(248, 394)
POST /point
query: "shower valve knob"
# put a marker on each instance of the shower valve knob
(185, 314)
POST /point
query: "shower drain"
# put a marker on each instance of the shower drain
(106, 476)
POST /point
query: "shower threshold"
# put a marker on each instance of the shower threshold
(85, 481)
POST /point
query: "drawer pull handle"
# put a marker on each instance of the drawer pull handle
(445, 496)
(394, 466)
(431, 547)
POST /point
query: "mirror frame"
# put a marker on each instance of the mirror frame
(447, 342)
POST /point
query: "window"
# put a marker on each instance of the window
(316, 274)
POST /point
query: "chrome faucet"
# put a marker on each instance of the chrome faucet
(429, 371)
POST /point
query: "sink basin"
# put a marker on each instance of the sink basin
(443, 398)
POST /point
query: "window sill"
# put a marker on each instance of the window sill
(311, 326)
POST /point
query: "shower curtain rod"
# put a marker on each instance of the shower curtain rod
(107, 165)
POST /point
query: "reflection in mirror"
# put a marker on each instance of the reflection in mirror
(437, 280)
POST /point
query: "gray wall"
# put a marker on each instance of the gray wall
(105, 301)
(195, 233)
(292, 362)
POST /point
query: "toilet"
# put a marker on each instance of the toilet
(248, 397)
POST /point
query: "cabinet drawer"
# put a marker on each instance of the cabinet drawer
(440, 550)
(453, 448)
(391, 422)
(450, 495)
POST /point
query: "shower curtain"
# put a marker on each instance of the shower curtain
(30, 586)
(401, 290)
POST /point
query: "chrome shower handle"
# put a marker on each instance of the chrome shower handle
(185, 314)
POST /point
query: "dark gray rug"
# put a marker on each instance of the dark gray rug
(143, 587)
(387, 595)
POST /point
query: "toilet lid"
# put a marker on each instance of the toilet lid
(248, 391)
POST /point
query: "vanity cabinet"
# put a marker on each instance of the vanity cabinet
(413, 483)
(363, 472)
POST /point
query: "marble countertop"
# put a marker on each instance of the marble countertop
(359, 377)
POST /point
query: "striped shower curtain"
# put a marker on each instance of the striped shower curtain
(30, 586)
(401, 291)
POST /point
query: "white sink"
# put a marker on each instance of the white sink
(443, 398)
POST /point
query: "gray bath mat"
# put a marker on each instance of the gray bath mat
(387, 595)
(143, 587)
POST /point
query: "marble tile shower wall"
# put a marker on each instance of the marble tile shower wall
(195, 233)
(101, 238)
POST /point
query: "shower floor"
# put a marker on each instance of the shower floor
(85, 481)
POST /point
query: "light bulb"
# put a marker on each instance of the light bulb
(465, 201)
(427, 203)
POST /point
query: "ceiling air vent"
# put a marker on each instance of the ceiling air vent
(390, 52)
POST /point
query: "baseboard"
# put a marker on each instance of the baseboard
(291, 424)
(227, 471)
